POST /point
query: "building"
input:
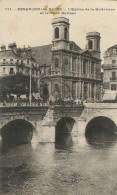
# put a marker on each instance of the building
(110, 74)
(110, 69)
(66, 70)
(14, 60)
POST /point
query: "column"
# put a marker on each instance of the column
(76, 90)
(61, 30)
(61, 89)
(79, 90)
(50, 90)
(80, 66)
(94, 91)
(71, 64)
(94, 70)
(88, 91)
(88, 68)
(71, 86)
(61, 62)
(82, 90)
(93, 44)
(77, 66)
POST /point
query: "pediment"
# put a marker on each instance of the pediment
(87, 53)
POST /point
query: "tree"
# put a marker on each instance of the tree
(17, 84)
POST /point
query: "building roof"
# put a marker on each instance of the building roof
(7, 54)
(42, 54)
(87, 52)
(114, 46)
(75, 46)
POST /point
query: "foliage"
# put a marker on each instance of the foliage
(17, 84)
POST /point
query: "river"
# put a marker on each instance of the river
(74, 166)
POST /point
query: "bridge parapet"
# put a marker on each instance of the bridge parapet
(101, 105)
(23, 110)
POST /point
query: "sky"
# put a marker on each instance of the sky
(35, 29)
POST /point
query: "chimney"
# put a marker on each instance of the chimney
(3, 48)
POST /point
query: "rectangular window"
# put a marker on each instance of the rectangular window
(114, 51)
(4, 61)
(4, 70)
(113, 75)
(113, 61)
(113, 87)
(11, 71)
(11, 61)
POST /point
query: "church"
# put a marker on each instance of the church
(66, 70)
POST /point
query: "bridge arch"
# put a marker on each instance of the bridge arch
(17, 131)
(65, 125)
(63, 130)
(100, 127)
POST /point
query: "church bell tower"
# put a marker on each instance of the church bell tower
(60, 38)
(93, 43)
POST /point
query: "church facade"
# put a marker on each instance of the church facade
(66, 70)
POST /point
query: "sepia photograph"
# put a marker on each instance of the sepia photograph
(58, 97)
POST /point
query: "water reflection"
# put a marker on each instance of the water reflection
(14, 167)
(17, 131)
(101, 139)
(12, 176)
(5, 147)
(101, 132)
(64, 142)
(63, 169)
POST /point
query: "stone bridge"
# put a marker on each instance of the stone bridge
(41, 119)
(46, 122)
(98, 116)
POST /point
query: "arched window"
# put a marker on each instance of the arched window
(90, 44)
(56, 33)
(65, 33)
(56, 63)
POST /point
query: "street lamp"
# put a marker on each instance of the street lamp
(30, 64)
(30, 94)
